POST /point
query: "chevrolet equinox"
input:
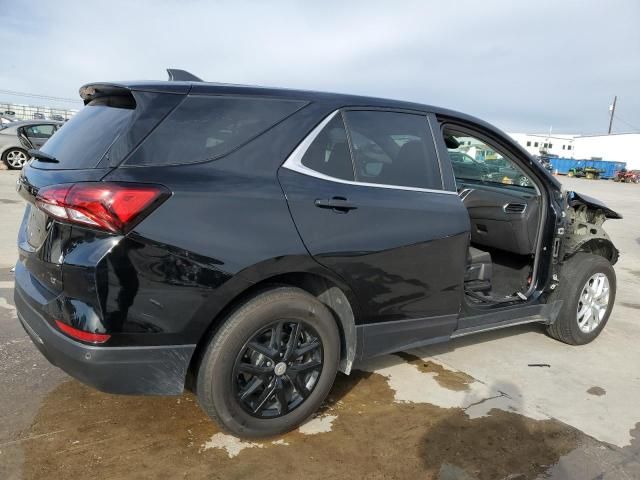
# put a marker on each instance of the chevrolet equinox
(249, 243)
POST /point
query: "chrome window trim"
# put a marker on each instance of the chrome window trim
(294, 163)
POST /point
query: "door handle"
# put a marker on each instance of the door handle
(338, 204)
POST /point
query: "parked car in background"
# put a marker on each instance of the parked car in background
(465, 166)
(471, 162)
(39, 116)
(19, 137)
(545, 161)
(263, 239)
(507, 173)
(6, 120)
(58, 118)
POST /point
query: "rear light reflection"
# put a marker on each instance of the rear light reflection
(114, 207)
(81, 334)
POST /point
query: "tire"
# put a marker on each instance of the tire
(575, 273)
(570, 174)
(590, 176)
(221, 377)
(15, 158)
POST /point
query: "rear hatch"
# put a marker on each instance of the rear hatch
(96, 140)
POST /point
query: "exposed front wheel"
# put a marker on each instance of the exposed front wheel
(271, 364)
(588, 290)
(15, 158)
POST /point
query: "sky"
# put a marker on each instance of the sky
(525, 66)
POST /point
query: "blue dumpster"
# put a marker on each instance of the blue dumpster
(563, 165)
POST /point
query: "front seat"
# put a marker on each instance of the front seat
(477, 276)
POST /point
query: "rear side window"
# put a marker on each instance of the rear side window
(39, 131)
(329, 152)
(83, 140)
(393, 148)
(208, 127)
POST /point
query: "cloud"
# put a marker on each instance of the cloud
(520, 65)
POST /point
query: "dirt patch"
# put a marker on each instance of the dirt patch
(80, 433)
(458, 381)
(597, 391)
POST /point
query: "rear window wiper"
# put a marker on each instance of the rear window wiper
(43, 157)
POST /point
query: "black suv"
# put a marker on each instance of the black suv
(249, 242)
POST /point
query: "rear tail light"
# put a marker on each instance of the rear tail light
(115, 207)
(81, 334)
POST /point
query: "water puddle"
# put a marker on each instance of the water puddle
(362, 430)
(450, 379)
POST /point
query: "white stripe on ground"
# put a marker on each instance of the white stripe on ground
(6, 284)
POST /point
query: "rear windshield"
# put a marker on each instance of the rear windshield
(83, 140)
(207, 127)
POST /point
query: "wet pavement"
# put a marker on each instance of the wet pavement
(473, 409)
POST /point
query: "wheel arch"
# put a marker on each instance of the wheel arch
(598, 246)
(336, 297)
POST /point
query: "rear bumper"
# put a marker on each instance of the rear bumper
(152, 370)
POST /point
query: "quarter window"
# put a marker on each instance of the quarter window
(208, 127)
(393, 148)
(329, 152)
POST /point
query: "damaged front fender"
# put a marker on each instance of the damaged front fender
(577, 199)
(584, 233)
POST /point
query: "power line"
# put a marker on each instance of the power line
(35, 95)
(617, 117)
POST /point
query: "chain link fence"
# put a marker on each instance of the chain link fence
(31, 112)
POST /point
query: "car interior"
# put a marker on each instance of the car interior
(504, 207)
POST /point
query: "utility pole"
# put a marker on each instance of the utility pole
(612, 109)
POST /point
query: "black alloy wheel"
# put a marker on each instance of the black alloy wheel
(271, 364)
(277, 369)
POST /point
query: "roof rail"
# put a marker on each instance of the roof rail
(176, 74)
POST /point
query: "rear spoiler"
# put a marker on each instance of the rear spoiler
(96, 90)
(91, 91)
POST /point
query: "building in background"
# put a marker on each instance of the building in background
(617, 147)
(536, 144)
